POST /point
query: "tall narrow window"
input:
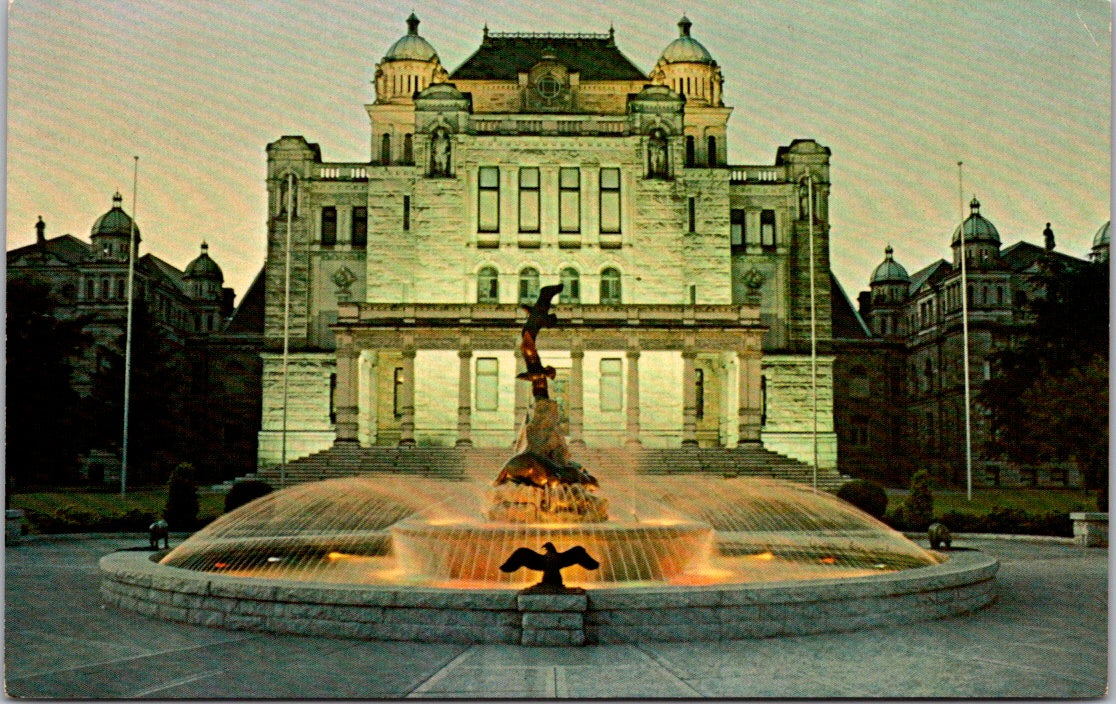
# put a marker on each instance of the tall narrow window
(767, 228)
(528, 286)
(711, 150)
(358, 230)
(610, 287)
(529, 199)
(610, 200)
(408, 149)
(691, 214)
(571, 286)
(763, 401)
(488, 384)
(329, 225)
(612, 385)
(488, 199)
(406, 212)
(736, 229)
(699, 393)
(288, 191)
(385, 149)
(569, 200)
(488, 285)
(397, 393)
(690, 159)
(332, 398)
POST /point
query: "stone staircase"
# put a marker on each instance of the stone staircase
(347, 459)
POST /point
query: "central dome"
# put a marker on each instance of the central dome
(115, 221)
(977, 227)
(203, 267)
(890, 270)
(411, 46)
(686, 49)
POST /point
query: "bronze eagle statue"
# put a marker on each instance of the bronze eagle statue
(550, 563)
(538, 317)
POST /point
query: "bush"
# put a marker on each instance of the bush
(244, 492)
(918, 508)
(181, 511)
(866, 495)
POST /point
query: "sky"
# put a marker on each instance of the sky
(899, 90)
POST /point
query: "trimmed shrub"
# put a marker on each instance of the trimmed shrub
(181, 511)
(918, 507)
(866, 495)
(244, 492)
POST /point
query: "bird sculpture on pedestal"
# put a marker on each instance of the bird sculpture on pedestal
(550, 563)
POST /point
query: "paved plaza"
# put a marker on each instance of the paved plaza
(1045, 636)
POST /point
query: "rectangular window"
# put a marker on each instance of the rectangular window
(692, 214)
(529, 199)
(612, 387)
(329, 225)
(736, 229)
(488, 199)
(358, 231)
(406, 213)
(332, 398)
(488, 387)
(610, 200)
(569, 200)
(397, 394)
(699, 393)
(767, 228)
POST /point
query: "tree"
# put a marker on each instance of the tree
(46, 430)
(1049, 399)
(181, 512)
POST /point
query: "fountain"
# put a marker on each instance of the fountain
(681, 558)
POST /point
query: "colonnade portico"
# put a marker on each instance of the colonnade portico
(470, 331)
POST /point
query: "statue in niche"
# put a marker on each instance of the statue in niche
(541, 481)
(440, 152)
(657, 154)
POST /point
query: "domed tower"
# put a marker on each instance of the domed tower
(982, 240)
(111, 232)
(890, 285)
(1099, 252)
(204, 278)
(687, 67)
(410, 65)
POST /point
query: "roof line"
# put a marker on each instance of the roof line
(855, 312)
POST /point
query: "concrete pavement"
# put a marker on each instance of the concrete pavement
(1046, 636)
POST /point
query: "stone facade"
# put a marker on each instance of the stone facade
(546, 159)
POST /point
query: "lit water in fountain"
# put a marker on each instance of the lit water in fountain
(391, 529)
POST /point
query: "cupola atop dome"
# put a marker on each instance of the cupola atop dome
(411, 46)
(410, 65)
(115, 221)
(686, 49)
(889, 270)
(203, 267)
(977, 227)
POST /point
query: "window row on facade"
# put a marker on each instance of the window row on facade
(531, 199)
(488, 285)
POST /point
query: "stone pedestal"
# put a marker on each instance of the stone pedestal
(552, 619)
(1090, 529)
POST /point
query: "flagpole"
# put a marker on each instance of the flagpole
(128, 332)
(813, 326)
(965, 339)
(286, 327)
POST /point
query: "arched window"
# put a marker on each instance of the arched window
(689, 150)
(385, 149)
(488, 285)
(610, 287)
(528, 286)
(571, 286)
(408, 149)
(711, 149)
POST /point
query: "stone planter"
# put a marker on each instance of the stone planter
(1090, 529)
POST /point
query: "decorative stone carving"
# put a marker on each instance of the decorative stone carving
(344, 278)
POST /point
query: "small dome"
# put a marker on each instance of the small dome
(890, 271)
(115, 221)
(1101, 238)
(686, 49)
(204, 267)
(977, 227)
(411, 46)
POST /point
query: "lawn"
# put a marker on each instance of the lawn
(986, 499)
(104, 504)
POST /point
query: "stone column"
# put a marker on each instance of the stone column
(522, 391)
(577, 395)
(632, 436)
(749, 369)
(367, 396)
(689, 400)
(345, 394)
(407, 407)
(464, 396)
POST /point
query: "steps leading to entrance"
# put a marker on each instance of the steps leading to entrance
(458, 463)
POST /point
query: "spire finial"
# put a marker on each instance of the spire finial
(684, 25)
(204, 247)
(412, 23)
(974, 205)
(888, 251)
(117, 199)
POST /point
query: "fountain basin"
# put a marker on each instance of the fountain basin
(962, 583)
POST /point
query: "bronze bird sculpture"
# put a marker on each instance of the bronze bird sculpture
(550, 563)
(538, 317)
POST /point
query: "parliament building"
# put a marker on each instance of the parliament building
(685, 319)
